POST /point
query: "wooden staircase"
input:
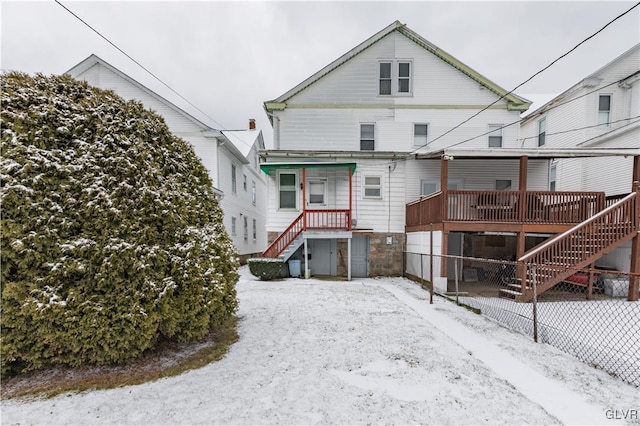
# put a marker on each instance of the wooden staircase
(560, 257)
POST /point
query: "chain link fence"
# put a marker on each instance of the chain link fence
(587, 315)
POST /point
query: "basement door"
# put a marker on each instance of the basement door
(360, 256)
(323, 257)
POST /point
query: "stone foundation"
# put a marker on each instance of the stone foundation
(384, 259)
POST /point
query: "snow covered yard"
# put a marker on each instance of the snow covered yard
(366, 351)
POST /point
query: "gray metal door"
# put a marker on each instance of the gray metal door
(360, 256)
(323, 257)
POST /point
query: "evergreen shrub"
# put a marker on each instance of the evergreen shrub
(112, 236)
(266, 268)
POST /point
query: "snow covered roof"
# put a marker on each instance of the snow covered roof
(244, 140)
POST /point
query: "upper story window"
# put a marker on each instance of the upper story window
(372, 187)
(395, 77)
(604, 110)
(420, 133)
(246, 228)
(255, 226)
(287, 190)
(367, 137)
(552, 177)
(233, 225)
(253, 192)
(233, 179)
(495, 135)
(542, 131)
(244, 182)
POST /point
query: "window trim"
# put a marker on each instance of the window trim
(254, 194)
(395, 77)
(246, 228)
(324, 182)
(367, 140)
(233, 226)
(365, 187)
(553, 177)
(426, 136)
(255, 230)
(296, 188)
(542, 135)
(244, 182)
(609, 111)
(234, 179)
(489, 136)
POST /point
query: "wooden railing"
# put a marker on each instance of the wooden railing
(563, 255)
(309, 219)
(548, 207)
(286, 238)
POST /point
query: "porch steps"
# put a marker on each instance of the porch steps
(291, 248)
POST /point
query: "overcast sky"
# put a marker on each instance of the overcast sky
(227, 58)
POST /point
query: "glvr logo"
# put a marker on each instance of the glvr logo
(631, 414)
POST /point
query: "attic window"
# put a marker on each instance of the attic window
(394, 77)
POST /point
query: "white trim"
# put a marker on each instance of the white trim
(365, 186)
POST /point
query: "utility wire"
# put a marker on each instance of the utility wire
(534, 75)
(139, 64)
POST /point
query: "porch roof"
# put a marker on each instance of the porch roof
(549, 153)
(267, 167)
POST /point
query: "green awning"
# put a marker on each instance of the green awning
(267, 167)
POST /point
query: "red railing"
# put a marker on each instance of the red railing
(578, 247)
(309, 219)
(506, 206)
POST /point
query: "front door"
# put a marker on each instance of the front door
(360, 256)
(323, 257)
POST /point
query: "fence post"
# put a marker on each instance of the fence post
(455, 269)
(535, 304)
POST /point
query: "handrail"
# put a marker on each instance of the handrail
(558, 237)
(289, 234)
(425, 198)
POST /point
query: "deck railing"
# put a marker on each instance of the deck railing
(309, 219)
(548, 207)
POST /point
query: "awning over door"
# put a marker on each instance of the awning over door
(267, 167)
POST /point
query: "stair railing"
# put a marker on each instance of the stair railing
(286, 238)
(581, 245)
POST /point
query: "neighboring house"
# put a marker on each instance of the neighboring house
(600, 111)
(230, 156)
(398, 146)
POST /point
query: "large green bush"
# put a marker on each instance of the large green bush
(266, 268)
(111, 233)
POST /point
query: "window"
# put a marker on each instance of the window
(254, 229)
(495, 135)
(233, 225)
(503, 185)
(244, 182)
(552, 177)
(233, 178)
(420, 134)
(246, 228)
(372, 187)
(367, 137)
(394, 77)
(542, 130)
(317, 192)
(404, 77)
(253, 192)
(604, 110)
(428, 187)
(385, 78)
(287, 190)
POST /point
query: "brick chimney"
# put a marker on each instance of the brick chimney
(252, 124)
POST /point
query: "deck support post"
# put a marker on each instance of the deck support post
(444, 187)
(522, 187)
(590, 281)
(303, 185)
(520, 267)
(348, 259)
(443, 258)
(634, 277)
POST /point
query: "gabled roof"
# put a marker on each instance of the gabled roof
(514, 101)
(592, 80)
(93, 59)
(244, 140)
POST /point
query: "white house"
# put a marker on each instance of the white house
(346, 142)
(601, 111)
(230, 156)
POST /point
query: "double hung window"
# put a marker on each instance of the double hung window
(604, 110)
(287, 190)
(542, 131)
(394, 77)
(420, 132)
(495, 135)
(367, 137)
(372, 187)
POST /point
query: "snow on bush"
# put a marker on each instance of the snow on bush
(265, 268)
(111, 233)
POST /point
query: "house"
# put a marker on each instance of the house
(600, 111)
(343, 164)
(398, 146)
(230, 156)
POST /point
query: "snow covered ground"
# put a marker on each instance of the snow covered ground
(366, 351)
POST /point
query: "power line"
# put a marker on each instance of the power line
(139, 64)
(534, 75)
(575, 129)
